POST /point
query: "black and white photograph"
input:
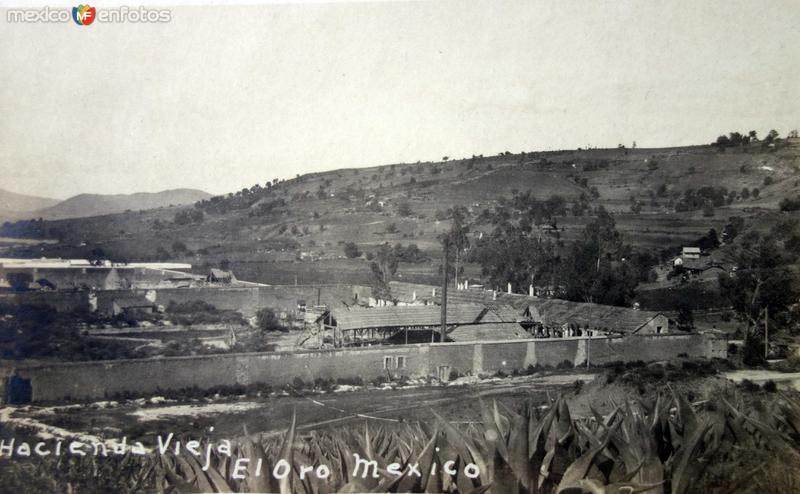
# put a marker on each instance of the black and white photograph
(400, 246)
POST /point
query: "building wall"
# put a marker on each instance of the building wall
(94, 277)
(249, 300)
(245, 300)
(652, 326)
(97, 380)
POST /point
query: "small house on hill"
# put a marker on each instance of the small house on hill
(220, 276)
(690, 253)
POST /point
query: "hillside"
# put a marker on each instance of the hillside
(84, 205)
(12, 203)
(296, 229)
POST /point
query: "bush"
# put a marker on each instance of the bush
(789, 204)
(351, 250)
(770, 386)
(350, 381)
(268, 321)
(753, 351)
(749, 385)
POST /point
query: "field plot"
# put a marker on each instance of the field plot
(232, 417)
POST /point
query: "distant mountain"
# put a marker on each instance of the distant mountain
(84, 205)
(11, 202)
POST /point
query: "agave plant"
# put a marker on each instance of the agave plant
(659, 445)
(644, 446)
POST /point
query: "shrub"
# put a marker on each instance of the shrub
(351, 250)
(350, 381)
(789, 204)
(749, 385)
(770, 386)
(268, 321)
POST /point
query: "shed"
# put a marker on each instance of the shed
(690, 253)
(220, 276)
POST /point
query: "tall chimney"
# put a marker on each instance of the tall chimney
(509, 287)
(530, 290)
(445, 265)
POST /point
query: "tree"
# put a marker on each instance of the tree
(723, 141)
(771, 136)
(267, 320)
(383, 268)
(404, 209)
(351, 250)
(685, 318)
(761, 283)
(789, 204)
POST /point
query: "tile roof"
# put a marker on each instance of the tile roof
(556, 312)
(488, 332)
(404, 316)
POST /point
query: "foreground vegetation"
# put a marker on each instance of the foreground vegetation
(660, 443)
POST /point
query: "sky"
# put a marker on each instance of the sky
(226, 96)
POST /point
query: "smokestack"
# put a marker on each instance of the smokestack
(445, 265)
(509, 287)
(530, 290)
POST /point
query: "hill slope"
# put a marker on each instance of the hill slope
(84, 205)
(11, 202)
(263, 230)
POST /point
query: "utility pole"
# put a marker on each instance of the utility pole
(445, 265)
(455, 281)
(766, 333)
(588, 347)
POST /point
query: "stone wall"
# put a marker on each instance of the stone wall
(98, 380)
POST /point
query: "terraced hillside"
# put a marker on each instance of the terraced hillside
(281, 231)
